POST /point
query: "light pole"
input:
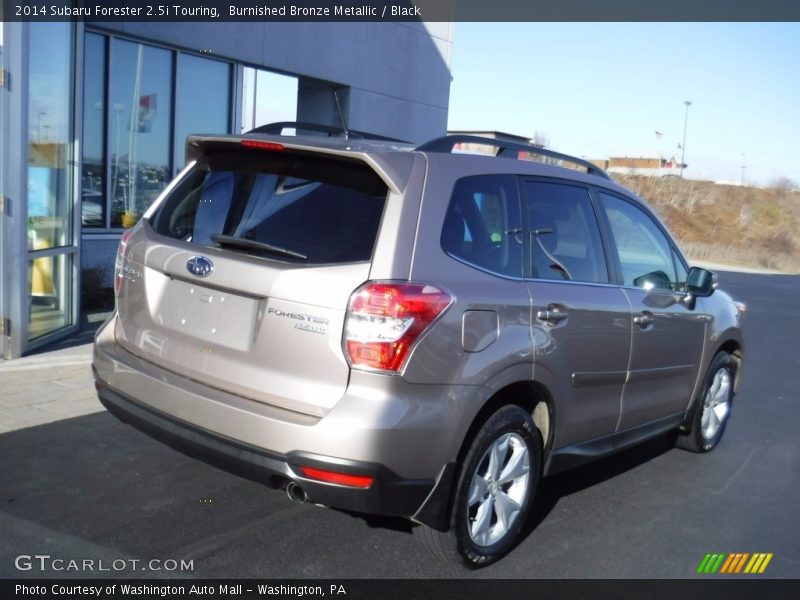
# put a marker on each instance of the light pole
(118, 108)
(685, 121)
(744, 166)
(39, 124)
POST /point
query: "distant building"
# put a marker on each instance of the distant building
(653, 167)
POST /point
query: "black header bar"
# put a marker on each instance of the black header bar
(472, 585)
(399, 10)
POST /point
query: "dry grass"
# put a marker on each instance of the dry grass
(724, 223)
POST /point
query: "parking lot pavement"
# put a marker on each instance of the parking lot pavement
(53, 384)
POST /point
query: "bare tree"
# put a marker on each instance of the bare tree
(783, 185)
(540, 139)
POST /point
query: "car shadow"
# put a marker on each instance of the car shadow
(554, 488)
(400, 524)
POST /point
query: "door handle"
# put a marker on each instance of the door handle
(551, 316)
(643, 320)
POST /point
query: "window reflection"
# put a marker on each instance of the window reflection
(50, 293)
(209, 80)
(141, 98)
(93, 205)
(267, 98)
(133, 139)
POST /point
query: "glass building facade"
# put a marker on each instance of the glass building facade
(139, 104)
(126, 117)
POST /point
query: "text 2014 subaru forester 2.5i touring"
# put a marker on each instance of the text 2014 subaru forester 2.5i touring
(411, 331)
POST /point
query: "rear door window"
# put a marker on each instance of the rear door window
(309, 209)
(564, 234)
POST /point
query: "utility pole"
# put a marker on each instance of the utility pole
(683, 146)
(744, 166)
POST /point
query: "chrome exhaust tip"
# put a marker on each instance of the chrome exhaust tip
(296, 493)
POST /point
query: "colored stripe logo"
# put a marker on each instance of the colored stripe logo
(736, 562)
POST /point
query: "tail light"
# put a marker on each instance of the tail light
(337, 477)
(384, 320)
(119, 273)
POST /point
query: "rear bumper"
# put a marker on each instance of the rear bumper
(405, 436)
(388, 495)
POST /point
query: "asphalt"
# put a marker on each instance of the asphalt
(89, 487)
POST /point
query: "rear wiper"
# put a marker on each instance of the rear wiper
(237, 242)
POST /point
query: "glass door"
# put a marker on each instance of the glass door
(52, 239)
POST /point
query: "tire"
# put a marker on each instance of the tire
(712, 407)
(494, 492)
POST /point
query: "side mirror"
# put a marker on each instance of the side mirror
(700, 282)
(657, 280)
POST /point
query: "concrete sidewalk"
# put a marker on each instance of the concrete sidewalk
(52, 384)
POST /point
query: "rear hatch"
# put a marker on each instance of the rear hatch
(241, 276)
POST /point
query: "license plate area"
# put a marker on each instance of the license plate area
(214, 316)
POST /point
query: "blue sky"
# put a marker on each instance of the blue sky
(602, 89)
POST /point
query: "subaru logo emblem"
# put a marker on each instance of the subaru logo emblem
(200, 266)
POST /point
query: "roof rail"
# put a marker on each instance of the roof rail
(448, 142)
(329, 130)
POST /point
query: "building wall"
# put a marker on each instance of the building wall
(636, 163)
(398, 74)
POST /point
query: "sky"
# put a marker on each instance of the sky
(604, 89)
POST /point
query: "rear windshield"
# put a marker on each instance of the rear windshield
(277, 205)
